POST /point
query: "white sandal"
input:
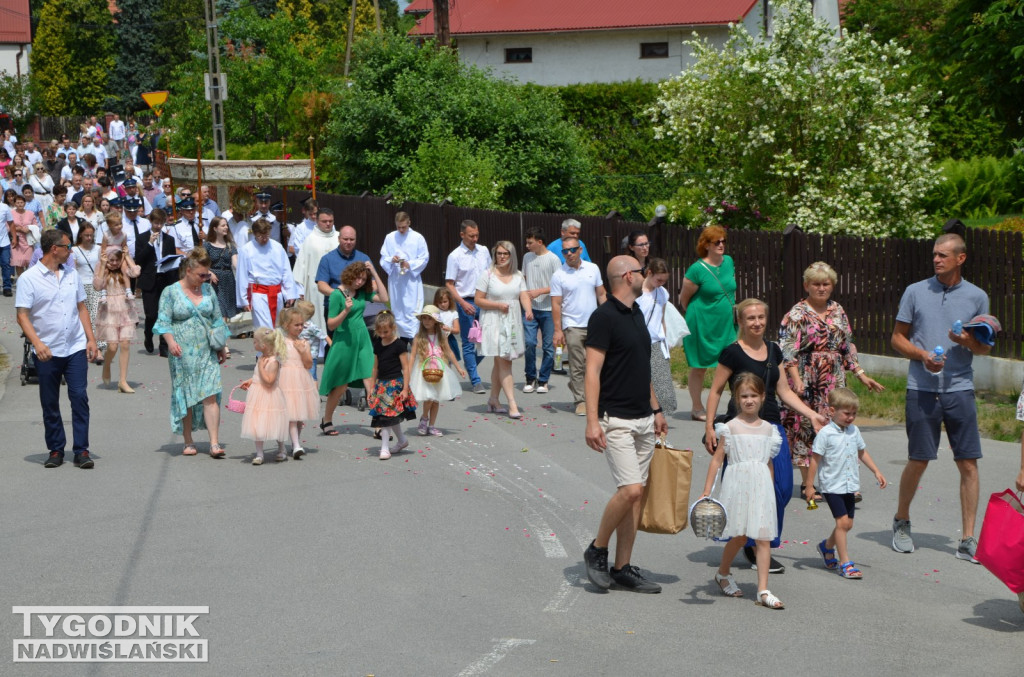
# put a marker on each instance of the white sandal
(731, 590)
(766, 599)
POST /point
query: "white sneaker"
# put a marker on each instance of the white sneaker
(542, 387)
(385, 454)
(529, 387)
(581, 409)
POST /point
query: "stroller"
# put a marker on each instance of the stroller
(28, 364)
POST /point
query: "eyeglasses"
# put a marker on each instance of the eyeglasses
(571, 250)
(642, 244)
(501, 253)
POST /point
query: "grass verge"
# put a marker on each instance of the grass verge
(997, 412)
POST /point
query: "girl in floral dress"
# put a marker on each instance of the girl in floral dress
(391, 401)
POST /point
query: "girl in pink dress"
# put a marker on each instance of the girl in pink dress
(115, 314)
(26, 231)
(266, 414)
(300, 393)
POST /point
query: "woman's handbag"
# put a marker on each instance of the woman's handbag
(476, 334)
(1001, 545)
(675, 326)
(217, 336)
(663, 508)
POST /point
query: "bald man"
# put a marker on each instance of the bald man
(623, 419)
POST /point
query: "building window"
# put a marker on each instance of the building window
(653, 50)
(519, 55)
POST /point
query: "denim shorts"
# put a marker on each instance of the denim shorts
(927, 412)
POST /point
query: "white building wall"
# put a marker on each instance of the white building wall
(585, 56)
(9, 59)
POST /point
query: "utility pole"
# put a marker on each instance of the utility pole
(217, 85)
(441, 31)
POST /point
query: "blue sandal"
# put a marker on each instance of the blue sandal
(848, 570)
(828, 555)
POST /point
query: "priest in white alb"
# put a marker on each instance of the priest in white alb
(403, 257)
(264, 282)
(321, 241)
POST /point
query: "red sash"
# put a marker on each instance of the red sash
(271, 290)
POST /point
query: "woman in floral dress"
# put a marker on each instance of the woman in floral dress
(817, 349)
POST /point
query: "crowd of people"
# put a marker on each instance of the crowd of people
(325, 320)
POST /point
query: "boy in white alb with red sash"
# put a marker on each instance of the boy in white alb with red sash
(264, 282)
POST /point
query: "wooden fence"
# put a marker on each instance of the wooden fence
(769, 265)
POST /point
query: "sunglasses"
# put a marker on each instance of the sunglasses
(718, 242)
(18, 176)
(66, 246)
(641, 271)
(205, 276)
(571, 250)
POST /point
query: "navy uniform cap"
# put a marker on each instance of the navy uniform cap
(263, 195)
(116, 203)
(187, 203)
(130, 182)
(131, 203)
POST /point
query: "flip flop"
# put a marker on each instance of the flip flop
(189, 450)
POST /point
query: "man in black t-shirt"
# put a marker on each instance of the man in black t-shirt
(623, 418)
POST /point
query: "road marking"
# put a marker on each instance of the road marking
(566, 595)
(501, 648)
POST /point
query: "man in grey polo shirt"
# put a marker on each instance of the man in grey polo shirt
(940, 392)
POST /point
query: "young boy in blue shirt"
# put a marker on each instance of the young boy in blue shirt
(838, 449)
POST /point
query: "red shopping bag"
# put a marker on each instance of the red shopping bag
(1001, 546)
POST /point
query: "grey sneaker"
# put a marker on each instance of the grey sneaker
(596, 560)
(967, 549)
(479, 389)
(901, 539)
(629, 577)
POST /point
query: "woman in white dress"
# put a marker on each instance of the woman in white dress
(503, 301)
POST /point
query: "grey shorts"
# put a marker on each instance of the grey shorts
(926, 412)
(630, 447)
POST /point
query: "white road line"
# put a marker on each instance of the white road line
(501, 648)
(566, 595)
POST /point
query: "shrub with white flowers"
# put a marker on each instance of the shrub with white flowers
(804, 128)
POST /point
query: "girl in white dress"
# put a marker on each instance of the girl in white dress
(747, 490)
(503, 302)
(430, 351)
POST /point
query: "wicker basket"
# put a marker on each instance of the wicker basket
(432, 370)
(708, 518)
(237, 406)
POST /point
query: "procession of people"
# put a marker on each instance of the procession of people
(315, 299)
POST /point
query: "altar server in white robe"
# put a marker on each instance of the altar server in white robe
(321, 241)
(403, 257)
(264, 282)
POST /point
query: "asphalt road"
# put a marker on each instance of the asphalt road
(463, 556)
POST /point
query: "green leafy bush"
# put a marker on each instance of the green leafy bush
(977, 187)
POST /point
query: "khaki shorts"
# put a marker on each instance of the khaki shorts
(630, 447)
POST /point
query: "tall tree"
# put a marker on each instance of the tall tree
(174, 24)
(135, 68)
(72, 56)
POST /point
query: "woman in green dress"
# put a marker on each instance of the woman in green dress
(707, 299)
(188, 311)
(351, 355)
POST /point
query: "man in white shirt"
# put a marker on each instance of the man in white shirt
(323, 240)
(99, 151)
(10, 141)
(67, 172)
(576, 292)
(263, 212)
(52, 314)
(6, 219)
(539, 266)
(116, 130)
(32, 155)
(264, 282)
(189, 231)
(131, 190)
(403, 257)
(239, 227)
(303, 229)
(466, 264)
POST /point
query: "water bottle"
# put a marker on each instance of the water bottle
(558, 358)
(937, 356)
(958, 327)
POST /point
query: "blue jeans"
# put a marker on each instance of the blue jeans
(5, 265)
(543, 320)
(469, 356)
(74, 369)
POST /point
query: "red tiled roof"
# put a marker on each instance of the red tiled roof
(468, 17)
(14, 22)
